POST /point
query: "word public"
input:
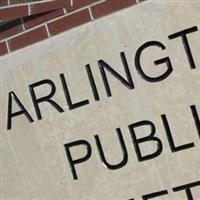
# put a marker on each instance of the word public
(151, 137)
(104, 68)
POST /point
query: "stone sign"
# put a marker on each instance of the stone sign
(109, 110)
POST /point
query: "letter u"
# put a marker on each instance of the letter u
(124, 152)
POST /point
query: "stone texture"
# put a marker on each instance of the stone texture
(33, 157)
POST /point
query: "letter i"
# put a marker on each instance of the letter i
(92, 83)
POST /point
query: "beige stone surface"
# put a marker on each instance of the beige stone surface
(34, 162)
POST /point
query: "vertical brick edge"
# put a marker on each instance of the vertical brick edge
(110, 6)
(69, 22)
(3, 48)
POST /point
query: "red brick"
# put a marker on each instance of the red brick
(13, 12)
(3, 2)
(3, 48)
(47, 6)
(34, 20)
(22, 1)
(69, 21)
(110, 6)
(10, 29)
(78, 4)
(27, 38)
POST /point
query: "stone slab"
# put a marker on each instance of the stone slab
(34, 161)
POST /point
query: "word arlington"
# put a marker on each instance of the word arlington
(103, 67)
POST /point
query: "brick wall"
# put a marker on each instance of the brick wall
(25, 22)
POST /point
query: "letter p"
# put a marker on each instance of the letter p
(72, 162)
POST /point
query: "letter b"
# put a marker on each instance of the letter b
(150, 137)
